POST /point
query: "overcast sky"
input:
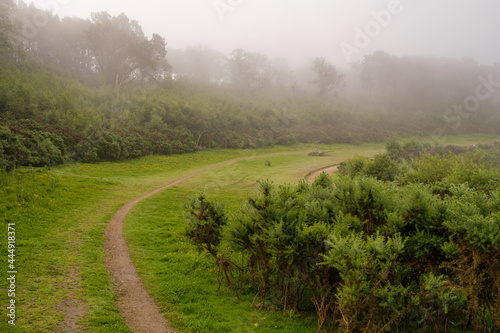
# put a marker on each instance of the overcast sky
(340, 30)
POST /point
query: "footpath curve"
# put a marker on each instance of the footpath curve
(137, 307)
(330, 170)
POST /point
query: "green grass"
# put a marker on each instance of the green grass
(55, 217)
(61, 215)
(184, 281)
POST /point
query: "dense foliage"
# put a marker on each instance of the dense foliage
(421, 253)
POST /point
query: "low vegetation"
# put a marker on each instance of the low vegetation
(60, 235)
(415, 250)
(60, 216)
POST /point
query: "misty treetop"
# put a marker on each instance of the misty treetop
(122, 52)
(6, 7)
(327, 76)
(114, 50)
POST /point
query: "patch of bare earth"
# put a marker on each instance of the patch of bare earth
(137, 307)
(72, 307)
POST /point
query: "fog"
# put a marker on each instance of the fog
(246, 74)
(300, 30)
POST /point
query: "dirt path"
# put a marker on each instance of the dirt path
(137, 307)
(329, 170)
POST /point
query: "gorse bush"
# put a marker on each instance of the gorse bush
(371, 255)
(28, 145)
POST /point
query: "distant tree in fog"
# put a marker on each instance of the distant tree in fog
(415, 81)
(199, 63)
(6, 7)
(327, 77)
(250, 70)
(379, 70)
(122, 51)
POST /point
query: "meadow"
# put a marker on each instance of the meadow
(60, 215)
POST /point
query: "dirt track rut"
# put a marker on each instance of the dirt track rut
(137, 307)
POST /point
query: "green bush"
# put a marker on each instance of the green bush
(382, 167)
(370, 255)
(12, 149)
(353, 167)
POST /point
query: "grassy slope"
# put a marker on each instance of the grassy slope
(56, 218)
(61, 216)
(60, 220)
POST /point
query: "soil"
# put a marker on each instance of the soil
(137, 307)
(72, 306)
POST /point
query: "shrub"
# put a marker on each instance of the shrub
(369, 255)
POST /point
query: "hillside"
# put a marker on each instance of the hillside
(106, 92)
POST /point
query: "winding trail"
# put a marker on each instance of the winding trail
(330, 170)
(137, 307)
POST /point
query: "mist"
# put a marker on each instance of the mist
(301, 30)
(324, 72)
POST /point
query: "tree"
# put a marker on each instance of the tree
(122, 52)
(249, 70)
(327, 76)
(73, 48)
(378, 69)
(204, 64)
(282, 73)
(205, 220)
(6, 7)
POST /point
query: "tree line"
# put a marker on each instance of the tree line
(114, 50)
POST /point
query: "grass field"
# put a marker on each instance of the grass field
(184, 282)
(60, 216)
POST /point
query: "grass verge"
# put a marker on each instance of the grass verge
(54, 217)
